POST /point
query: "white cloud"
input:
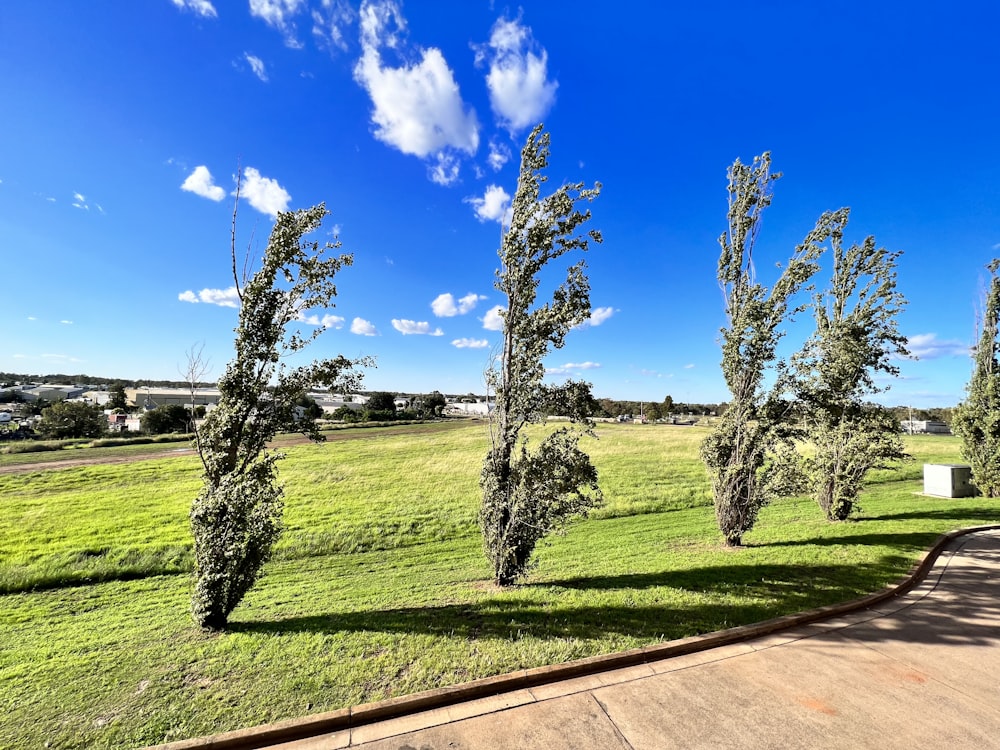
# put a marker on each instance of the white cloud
(997, 246)
(418, 108)
(66, 322)
(256, 65)
(445, 305)
(200, 183)
(327, 321)
(493, 321)
(409, 327)
(80, 201)
(499, 155)
(330, 22)
(202, 8)
(470, 343)
(32, 317)
(929, 346)
(264, 193)
(569, 367)
(493, 206)
(597, 316)
(688, 367)
(520, 92)
(278, 15)
(362, 327)
(221, 297)
(61, 358)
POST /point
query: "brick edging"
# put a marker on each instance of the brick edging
(369, 713)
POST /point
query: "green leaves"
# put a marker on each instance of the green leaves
(753, 428)
(526, 495)
(977, 419)
(236, 519)
(834, 374)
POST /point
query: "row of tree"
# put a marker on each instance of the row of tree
(530, 488)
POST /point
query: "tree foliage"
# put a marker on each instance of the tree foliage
(72, 419)
(743, 450)
(166, 418)
(856, 338)
(236, 518)
(118, 399)
(529, 493)
(977, 419)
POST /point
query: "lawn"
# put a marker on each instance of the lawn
(379, 587)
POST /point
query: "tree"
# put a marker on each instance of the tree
(196, 365)
(381, 401)
(118, 399)
(742, 452)
(977, 419)
(236, 518)
(527, 494)
(72, 419)
(166, 418)
(667, 406)
(856, 337)
(434, 403)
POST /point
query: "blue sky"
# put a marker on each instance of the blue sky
(123, 123)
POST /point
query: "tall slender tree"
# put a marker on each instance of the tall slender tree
(236, 518)
(977, 419)
(529, 493)
(740, 453)
(856, 338)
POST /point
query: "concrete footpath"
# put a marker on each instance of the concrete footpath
(917, 666)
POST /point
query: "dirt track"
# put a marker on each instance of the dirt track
(156, 451)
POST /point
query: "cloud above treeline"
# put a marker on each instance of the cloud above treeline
(446, 306)
(929, 346)
(362, 327)
(413, 327)
(264, 194)
(221, 297)
(202, 8)
(470, 343)
(417, 105)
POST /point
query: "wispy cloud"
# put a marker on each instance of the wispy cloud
(80, 201)
(929, 346)
(493, 321)
(264, 193)
(221, 297)
(327, 321)
(66, 322)
(570, 367)
(256, 65)
(202, 8)
(520, 92)
(493, 206)
(417, 108)
(446, 306)
(470, 343)
(200, 182)
(362, 327)
(689, 367)
(278, 14)
(498, 156)
(411, 327)
(330, 23)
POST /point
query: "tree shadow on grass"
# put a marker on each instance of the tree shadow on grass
(901, 540)
(754, 593)
(969, 616)
(984, 514)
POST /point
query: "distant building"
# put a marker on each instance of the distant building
(151, 398)
(924, 427)
(51, 392)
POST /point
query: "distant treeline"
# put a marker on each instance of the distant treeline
(8, 379)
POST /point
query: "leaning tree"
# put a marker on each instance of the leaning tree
(977, 419)
(528, 493)
(856, 339)
(743, 452)
(236, 518)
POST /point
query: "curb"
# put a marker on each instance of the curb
(394, 708)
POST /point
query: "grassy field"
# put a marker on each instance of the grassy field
(379, 587)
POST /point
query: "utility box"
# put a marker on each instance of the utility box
(948, 480)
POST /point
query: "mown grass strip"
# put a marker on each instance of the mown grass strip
(120, 664)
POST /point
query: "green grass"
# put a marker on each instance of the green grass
(380, 588)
